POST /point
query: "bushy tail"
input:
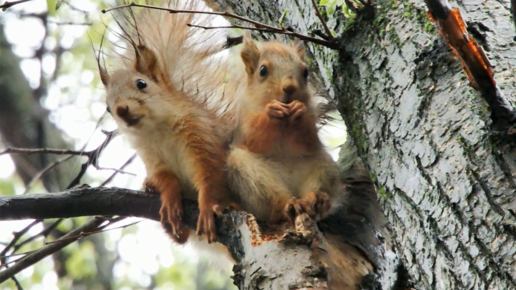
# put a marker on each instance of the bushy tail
(192, 58)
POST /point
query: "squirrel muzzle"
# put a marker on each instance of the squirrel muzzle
(125, 114)
(289, 88)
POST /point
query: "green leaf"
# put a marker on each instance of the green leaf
(58, 4)
(6, 187)
(51, 7)
(282, 17)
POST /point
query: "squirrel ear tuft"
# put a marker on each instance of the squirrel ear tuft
(104, 76)
(147, 62)
(300, 48)
(250, 54)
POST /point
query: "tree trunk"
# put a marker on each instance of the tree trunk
(444, 179)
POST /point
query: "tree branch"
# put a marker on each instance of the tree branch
(255, 249)
(81, 202)
(329, 36)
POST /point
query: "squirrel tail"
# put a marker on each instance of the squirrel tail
(191, 58)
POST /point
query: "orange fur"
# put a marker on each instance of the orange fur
(278, 164)
(169, 187)
(345, 264)
(265, 133)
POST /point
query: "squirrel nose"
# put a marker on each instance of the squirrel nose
(122, 111)
(289, 90)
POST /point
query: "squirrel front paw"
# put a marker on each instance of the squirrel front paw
(296, 110)
(206, 221)
(277, 110)
(171, 214)
(315, 204)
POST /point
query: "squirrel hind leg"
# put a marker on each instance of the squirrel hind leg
(316, 204)
(260, 188)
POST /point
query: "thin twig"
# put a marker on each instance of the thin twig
(72, 23)
(93, 158)
(92, 155)
(230, 26)
(43, 233)
(30, 151)
(17, 236)
(8, 4)
(129, 161)
(43, 171)
(99, 230)
(15, 255)
(115, 170)
(24, 254)
(18, 285)
(258, 25)
(278, 31)
(86, 13)
(50, 249)
(318, 13)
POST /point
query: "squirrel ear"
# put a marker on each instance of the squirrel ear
(146, 62)
(250, 54)
(300, 48)
(104, 76)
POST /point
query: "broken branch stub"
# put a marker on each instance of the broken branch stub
(475, 63)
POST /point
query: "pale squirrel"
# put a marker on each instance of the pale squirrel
(277, 163)
(279, 167)
(160, 98)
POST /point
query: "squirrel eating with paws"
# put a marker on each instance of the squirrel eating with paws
(277, 164)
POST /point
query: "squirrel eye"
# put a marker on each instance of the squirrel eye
(263, 71)
(141, 84)
(108, 109)
(305, 73)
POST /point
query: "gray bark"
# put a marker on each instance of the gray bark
(446, 184)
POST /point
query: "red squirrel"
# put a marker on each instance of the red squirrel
(277, 163)
(157, 97)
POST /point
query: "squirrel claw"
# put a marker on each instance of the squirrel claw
(206, 225)
(171, 213)
(293, 209)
